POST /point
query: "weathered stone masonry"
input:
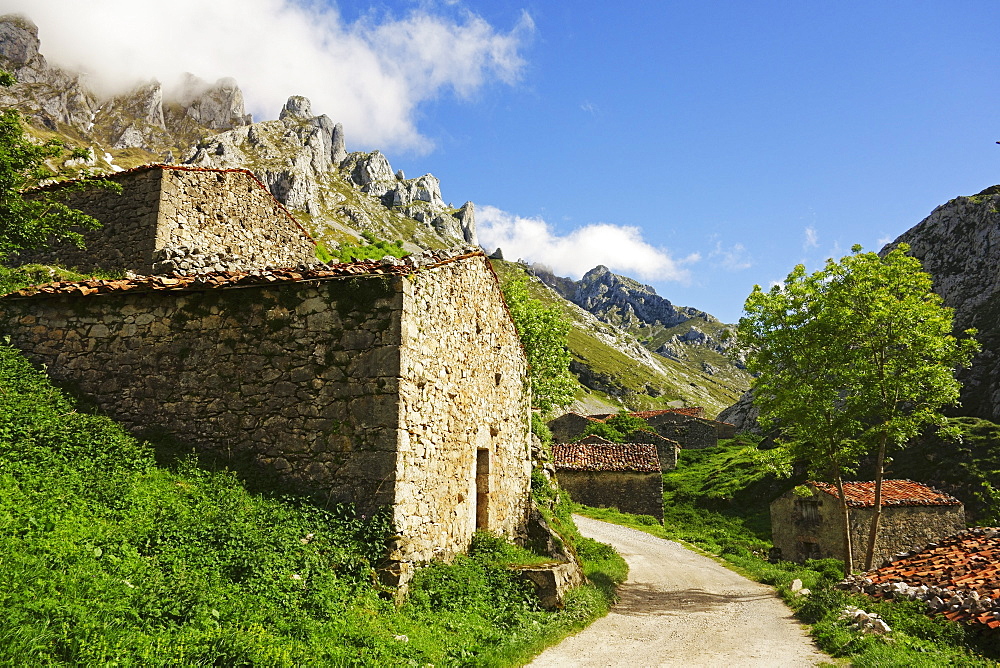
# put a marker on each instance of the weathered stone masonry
(402, 389)
(215, 211)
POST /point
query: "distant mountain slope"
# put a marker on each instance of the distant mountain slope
(615, 368)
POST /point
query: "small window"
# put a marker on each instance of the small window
(807, 511)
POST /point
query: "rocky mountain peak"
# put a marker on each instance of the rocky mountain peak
(297, 108)
(46, 95)
(218, 106)
(609, 295)
(19, 43)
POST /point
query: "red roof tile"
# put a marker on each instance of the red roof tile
(634, 457)
(894, 493)
(966, 562)
(223, 279)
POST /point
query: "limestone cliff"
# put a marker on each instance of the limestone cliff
(959, 245)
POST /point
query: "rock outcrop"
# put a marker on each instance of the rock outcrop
(48, 96)
(959, 245)
(742, 415)
(626, 302)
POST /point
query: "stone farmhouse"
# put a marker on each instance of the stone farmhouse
(684, 425)
(602, 474)
(389, 383)
(218, 219)
(812, 527)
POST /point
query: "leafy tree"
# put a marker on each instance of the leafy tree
(43, 218)
(853, 359)
(618, 428)
(543, 330)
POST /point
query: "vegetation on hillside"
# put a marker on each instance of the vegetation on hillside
(850, 360)
(109, 557)
(375, 249)
(717, 501)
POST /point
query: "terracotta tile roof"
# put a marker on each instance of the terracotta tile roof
(966, 564)
(176, 168)
(894, 493)
(225, 279)
(632, 457)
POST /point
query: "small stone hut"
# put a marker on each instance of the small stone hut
(625, 476)
(812, 527)
(377, 384)
(226, 216)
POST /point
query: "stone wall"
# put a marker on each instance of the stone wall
(215, 210)
(127, 238)
(298, 379)
(405, 389)
(692, 434)
(465, 412)
(567, 427)
(629, 492)
(811, 528)
(204, 211)
(666, 450)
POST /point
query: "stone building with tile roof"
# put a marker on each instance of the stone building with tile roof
(226, 217)
(376, 383)
(625, 476)
(812, 526)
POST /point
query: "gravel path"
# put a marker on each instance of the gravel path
(679, 608)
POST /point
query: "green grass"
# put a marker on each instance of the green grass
(109, 558)
(716, 502)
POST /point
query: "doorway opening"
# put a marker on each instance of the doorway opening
(482, 489)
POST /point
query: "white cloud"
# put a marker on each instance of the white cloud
(733, 258)
(882, 241)
(371, 74)
(812, 238)
(620, 248)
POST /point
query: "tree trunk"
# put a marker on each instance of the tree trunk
(877, 516)
(848, 554)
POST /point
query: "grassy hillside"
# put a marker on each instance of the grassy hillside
(108, 557)
(615, 369)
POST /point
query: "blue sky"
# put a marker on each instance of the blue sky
(701, 147)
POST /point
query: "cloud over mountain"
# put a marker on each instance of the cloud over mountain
(371, 74)
(620, 248)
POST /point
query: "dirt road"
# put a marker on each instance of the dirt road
(679, 608)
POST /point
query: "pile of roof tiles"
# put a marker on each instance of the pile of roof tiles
(957, 577)
(224, 279)
(623, 457)
(894, 493)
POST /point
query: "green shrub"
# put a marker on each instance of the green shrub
(375, 249)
